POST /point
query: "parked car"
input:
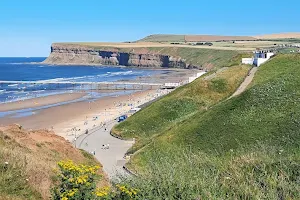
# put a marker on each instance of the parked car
(122, 118)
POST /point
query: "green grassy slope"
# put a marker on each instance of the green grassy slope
(247, 147)
(268, 112)
(181, 104)
(163, 38)
(209, 58)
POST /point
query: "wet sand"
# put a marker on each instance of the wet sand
(40, 101)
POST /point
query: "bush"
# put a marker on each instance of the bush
(77, 182)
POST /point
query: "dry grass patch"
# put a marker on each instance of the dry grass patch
(32, 156)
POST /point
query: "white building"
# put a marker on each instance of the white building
(191, 79)
(259, 58)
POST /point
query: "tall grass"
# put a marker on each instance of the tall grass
(261, 172)
(13, 177)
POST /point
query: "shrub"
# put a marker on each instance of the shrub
(77, 182)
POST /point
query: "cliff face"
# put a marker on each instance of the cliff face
(77, 54)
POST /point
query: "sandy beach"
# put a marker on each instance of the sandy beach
(40, 101)
(74, 118)
(82, 115)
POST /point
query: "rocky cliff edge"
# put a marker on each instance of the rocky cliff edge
(72, 54)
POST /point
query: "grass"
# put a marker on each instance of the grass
(174, 172)
(163, 38)
(29, 172)
(265, 112)
(289, 50)
(246, 147)
(181, 105)
(13, 183)
(207, 58)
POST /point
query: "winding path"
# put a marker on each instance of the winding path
(112, 159)
(245, 83)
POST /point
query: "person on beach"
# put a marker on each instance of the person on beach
(107, 146)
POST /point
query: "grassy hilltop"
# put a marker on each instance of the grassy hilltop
(196, 144)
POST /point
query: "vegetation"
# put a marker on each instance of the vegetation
(289, 50)
(28, 159)
(207, 58)
(77, 182)
(202, 57)
(181, 104)
(179, 173)
(246, 147)
(13, 178)
(163, 38)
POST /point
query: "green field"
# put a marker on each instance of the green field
(247, 147)
(208, 58)
(163, 38)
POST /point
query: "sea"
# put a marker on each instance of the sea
(23, 69)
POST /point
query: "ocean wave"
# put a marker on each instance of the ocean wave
(13, 85)
(91, 78)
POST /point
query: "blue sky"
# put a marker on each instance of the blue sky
(28, 27)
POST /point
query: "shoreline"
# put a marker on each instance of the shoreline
(82, 115)
(88, 111)
(101, 65)
(39, 101)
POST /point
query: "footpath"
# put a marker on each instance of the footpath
(245, 83)
(112, 157)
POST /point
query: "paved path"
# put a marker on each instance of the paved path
(112, 158)
(245, 83)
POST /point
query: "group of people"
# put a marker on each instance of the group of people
(105, 146)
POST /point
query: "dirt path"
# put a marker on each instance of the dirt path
(245, 83)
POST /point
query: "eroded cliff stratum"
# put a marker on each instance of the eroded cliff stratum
(79, 54)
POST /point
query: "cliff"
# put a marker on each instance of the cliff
(80, 54)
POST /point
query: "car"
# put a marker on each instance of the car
(122, 118)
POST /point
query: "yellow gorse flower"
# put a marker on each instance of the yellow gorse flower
(102, 192)
(70, 166)
(130, 192)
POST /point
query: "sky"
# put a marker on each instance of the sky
(28, 27)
